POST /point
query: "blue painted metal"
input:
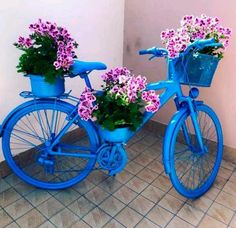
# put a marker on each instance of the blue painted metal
(108, 147)
(201, 163)
(119, 135)
(80, 68)
(40, 88)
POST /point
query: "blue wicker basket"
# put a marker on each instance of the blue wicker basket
(43, 89)
(196, 69)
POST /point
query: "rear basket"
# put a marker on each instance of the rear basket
(196, 69)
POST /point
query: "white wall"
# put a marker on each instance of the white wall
(96, 25)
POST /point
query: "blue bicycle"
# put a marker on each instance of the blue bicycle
(46, 143)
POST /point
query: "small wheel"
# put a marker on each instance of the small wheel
(112, 157)
(27, 135)
(193, 171)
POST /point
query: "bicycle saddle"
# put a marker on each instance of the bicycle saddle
(80, 67)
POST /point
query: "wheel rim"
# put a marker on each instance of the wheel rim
(31, 131)
(196, 169)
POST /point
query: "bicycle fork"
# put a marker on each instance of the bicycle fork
(193, 116)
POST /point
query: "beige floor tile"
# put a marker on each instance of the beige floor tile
(9, 196)
(110, 185)
(147, 175)
(227, 200)
(112, 206)
(139, 147)
(3, 185)
(145, 223)
(96, 218)
(163, 183)
(220, 212)
(225, 173)
(141, 205)
(233, 177)
(160, 216)
(227, 164)
(12, 225)
(209, 222)
(37, 197)
(133, 167)
(96, 195)
(171, 203)
(96, 177)
(128, 217)
(50, 207)
(81, 206)
(80, 224)
(143, 159)
(113, 224)
(124, 176)
(149, 140)
(153, 152)
(125, 194)
(152, 193)
(84, 186)
(174, 193)
(24, 188)
(5, 219)
(137, 185)
(18, 208)
(177, 222)
(64, 219)
(190, 214)
(47, 224)
(212, 193)
(220, 182)
(67, 196)
(32, 219)
(156, 166)
(230, 187)
(203, 203)
(233, 222)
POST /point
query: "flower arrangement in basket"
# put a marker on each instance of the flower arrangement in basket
(120, 104)
(198, 67)
(48, 55)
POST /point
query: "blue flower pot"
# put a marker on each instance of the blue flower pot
(196, 69)
(40, 88)
(119, 135)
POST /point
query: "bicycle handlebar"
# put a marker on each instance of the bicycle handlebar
(198, 44)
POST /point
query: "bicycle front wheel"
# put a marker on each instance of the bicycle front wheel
(193, 171)
(30, 131)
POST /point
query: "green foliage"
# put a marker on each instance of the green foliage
(116, 112)
(39, 59)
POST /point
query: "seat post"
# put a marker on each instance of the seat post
(86, 79)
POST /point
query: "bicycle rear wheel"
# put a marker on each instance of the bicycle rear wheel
(192, 170)
(31, 129)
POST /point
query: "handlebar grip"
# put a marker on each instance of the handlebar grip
(143, 52)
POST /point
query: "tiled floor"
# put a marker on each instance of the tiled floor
(141, 196)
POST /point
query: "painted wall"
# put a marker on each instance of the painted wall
(96, 25)
(144, 20)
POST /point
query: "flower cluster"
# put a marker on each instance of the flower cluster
(122, 92)
(86, 105)
(193, 28)
(62, 39)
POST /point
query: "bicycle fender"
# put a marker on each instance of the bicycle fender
(24, 105)
(168, 137)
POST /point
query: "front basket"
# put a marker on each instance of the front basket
(196, 69)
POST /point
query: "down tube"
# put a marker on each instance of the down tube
(171, 88)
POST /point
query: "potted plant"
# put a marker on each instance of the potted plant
(48, 56)
(118, 108)
(198, 67)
